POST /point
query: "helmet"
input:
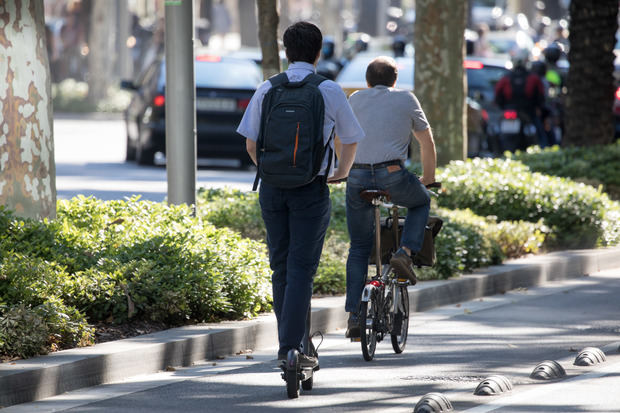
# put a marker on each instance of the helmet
(520, 58)
(552, 53)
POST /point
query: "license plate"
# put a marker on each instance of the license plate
(510, 126)
(216, 104)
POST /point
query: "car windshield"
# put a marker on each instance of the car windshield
(355, 72)
(225, 74)
(485, 77)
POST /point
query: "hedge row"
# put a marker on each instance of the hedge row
(117, 261)
(466, 241)
(120, 260)
(578, 216)
(593, 165)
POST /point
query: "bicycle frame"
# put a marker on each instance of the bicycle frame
(377, 285)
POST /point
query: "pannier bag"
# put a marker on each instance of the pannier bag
(424, 258)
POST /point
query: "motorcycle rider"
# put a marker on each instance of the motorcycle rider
(522, 91)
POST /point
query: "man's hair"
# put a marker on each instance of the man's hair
(381, 71)
(302, 42)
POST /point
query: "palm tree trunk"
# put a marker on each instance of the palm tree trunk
(589, 119)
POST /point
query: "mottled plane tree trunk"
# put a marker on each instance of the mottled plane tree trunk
(268, 36)
(590, 83)
(439, 76)
(27, 169)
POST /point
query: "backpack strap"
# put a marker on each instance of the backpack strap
(315, 79)
(279, 79)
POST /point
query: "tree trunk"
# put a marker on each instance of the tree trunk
(439, 76)
(27, 169)
(247, 22)
(590, 98)
(268, 36)
(101, 50)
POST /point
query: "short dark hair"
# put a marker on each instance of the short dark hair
(302, 42)
(381, 71)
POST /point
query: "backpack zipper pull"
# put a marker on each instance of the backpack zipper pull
(296, 145)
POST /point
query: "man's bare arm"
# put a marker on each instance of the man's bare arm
(347, 156)
(250, 146)
(427, 154)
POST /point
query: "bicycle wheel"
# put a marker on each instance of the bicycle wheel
(400, 325)
(368, 335)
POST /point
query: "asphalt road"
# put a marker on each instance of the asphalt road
(90, 160)
(450, 350)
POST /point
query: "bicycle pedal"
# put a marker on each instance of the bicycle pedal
(355, 339)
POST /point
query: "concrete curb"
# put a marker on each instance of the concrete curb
(34, 379)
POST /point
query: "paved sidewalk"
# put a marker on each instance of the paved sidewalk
(42, 377)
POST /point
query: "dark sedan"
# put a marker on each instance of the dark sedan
(224, 87)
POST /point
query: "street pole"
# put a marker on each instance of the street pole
(180, 102)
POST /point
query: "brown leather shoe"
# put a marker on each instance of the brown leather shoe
(403, 266)
(353, 326)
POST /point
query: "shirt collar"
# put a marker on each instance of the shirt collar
(302, 66)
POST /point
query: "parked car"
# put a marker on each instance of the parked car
(353, 77)
(224, 87)
(507, 43)
(482, 75)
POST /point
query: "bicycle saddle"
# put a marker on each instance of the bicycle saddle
(369, 194)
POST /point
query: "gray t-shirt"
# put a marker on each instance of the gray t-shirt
(388, 117)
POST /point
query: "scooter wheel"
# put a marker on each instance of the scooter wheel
(292, 378)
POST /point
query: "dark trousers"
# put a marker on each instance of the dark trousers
(296, 221)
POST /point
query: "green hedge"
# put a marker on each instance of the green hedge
(120, 260)
(578, 216)
(72, 96)
(117, 261)
(466, 241)
(594, 165)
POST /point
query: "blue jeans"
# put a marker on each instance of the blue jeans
(405, 190)
(296, 221)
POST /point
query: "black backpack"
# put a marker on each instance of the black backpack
(518, 79)
(290, 148)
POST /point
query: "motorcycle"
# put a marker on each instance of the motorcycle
(517, 130)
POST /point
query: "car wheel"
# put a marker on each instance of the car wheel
(144, 156)
(130, 155)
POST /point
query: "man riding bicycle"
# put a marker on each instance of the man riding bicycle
(388, 117)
